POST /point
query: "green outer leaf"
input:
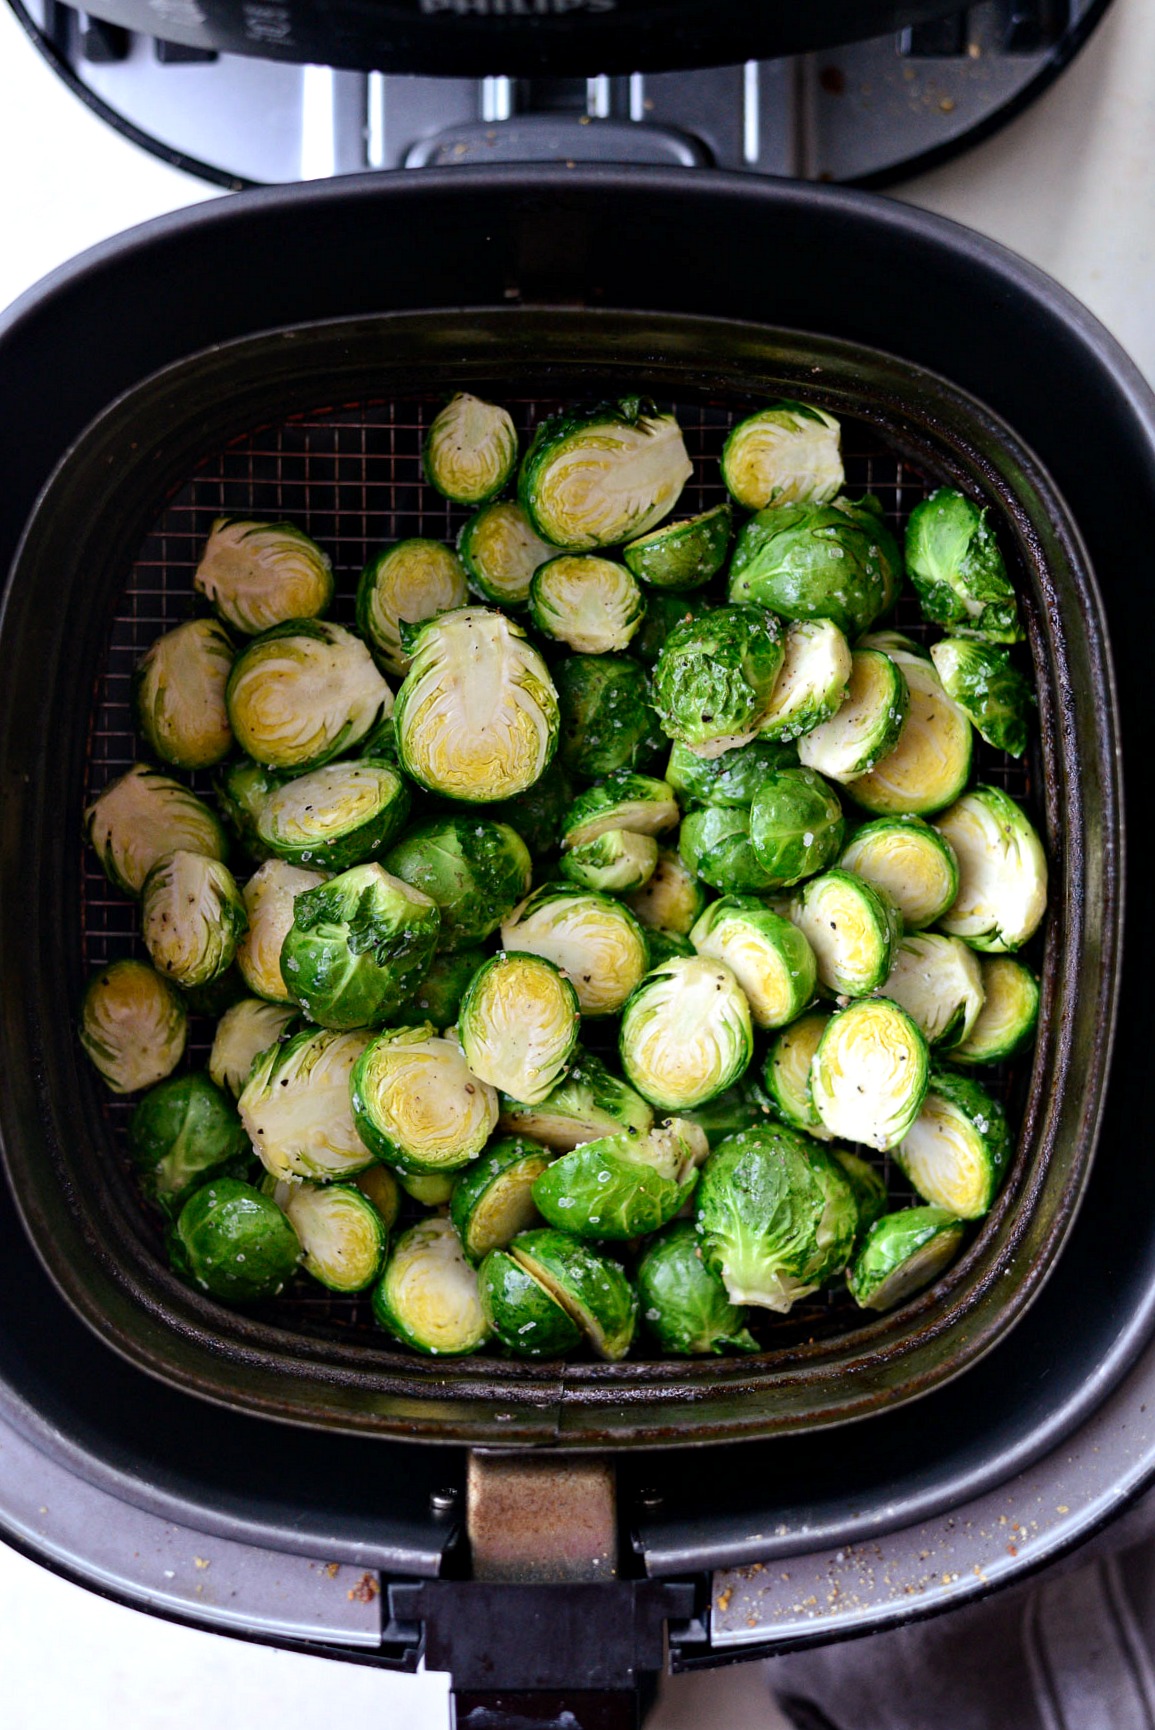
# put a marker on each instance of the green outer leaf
(521, 1312)
(358, 947)
(683, 1302)
(796, 826)
(869, 1188)
(320, 841)
(234, 1242)
(181, 1132)
(475, 870)
(538, 813)
(903, 1251)
(715, 677)
(683, 555)
(835, 561)
(495, 1194)
(957, 569)
(992, 692)
(597, 1192)
(742, 1106)
(589, 1286)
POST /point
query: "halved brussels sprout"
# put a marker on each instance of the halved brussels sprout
(616, 862)
(955, 1151)
(519, 1024)
(683, 555)
(818, 561)
(671, 900)
(243, 1032)
(903, 1252)
(936, 979)
(1006, 1021)
(589, 1103)
(242, 788)
(179, 1133)
(428, 1295)
(869, 1074)
(684, 1303)
(595, 941)
(956, 566)
(474, 869)
(341, 1233)
(334, 817)
(715, 677)
(730, 779)
(234, 1242)
(521, 1312)
(358, 947)
(895, 644)
(910, 861)
(786, 1073)
(179, 686)
(868, 1185)
(500, 550)
(1002, 871)
(775, 1216)
(770, 958)
(407, 583)
(417, 1103)
(493, 1200)
(853, 929)
(303, 693)
(383, 1190)
(686, 1033)
(784, 455)
(622, 800)
(984, 684)
(591, 604)
(623, 1186)
(192, 918)
(715, 846)
(296, 1106)
(594, 477)
(133, 1025)
(142, 818)
(812, 684)
(867, 726)
(538, 813)
(663, 612)
(590, 1287)
(470, 450)
(477, 716)
(931, 762)
(269, 895)
(606, 719)
(796, 826)
(742, 1106)
(258, 575)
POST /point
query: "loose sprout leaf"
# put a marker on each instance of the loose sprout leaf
(589, 1102)
(258, 575)
(984, 683)
(818, 561)
(406, 584)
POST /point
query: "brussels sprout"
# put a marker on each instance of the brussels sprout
(957, 568)
(853, 929)
(133, 1025)
(470, 450)
(500, 550)
(869, 1074)
(684, 1303)
(715, 678)
(192, 917)
(742, 1106)
(1006, 1021)
(622, 800)
(303, 693)
(418, 1105)
(334, 817)
(895, 644)
(868, 1185)
(258, 575)
(428, 1188)
(428, 1295)
(775, 1216)
(796, 826)
(269, 895)
(407, 583)
(519, 1024)
(616, 862)
(243, 788)
(493, 1200)
(769, 957)
(590, 1287)
(730, 779)
(179, 688)
(243, 1032)
(683, 555)
(341, 1233)
(477, 716)
(475, 870)
(234, 1242)
(538, 813)
(623, 1186)
(521, 1312)
(381, 1186)
(296, 1106)
(588, 1104)
(715, 846)
(784, 455)
(438, 997)
(144, 817)
(686, 1033)
(910, 861)
(595, 941)
(594, 477)
(606, 719)
(786, 1073)
(936, 979)
(663, 612)
(1002, 871)
(931, 762)
(992, 692)
(812, 684)
(671, 901)
(818, 561)
(589, 603)
(903, 1252)
(955, 1151)
(358, 947)
(867, 726)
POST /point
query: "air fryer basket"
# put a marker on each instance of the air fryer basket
(322, 424)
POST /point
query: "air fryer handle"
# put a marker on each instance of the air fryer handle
(575, 1709)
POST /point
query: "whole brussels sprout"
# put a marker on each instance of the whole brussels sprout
(358, 947)
(783, 455)
(500, 550)
(956, 566)
(594, 477)
(257, 575)
(623, 1186)
(683, 555)
(592, 604)
(179, 686)
(181, 1132)
(133, 1025)
(607, 722)
(474, 869)
(684, 1303)
(234, 1242)
(192, 918)
(470, 450)
(818, 561)
(269, 896)
(428, 1295)
(296, 1106)
(796, 826)
(417, 1103)
(663, 613)
(406, 584)
(715, 846)
(686, 1033)
(715, 678)
(144, 817)
(303, 693)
